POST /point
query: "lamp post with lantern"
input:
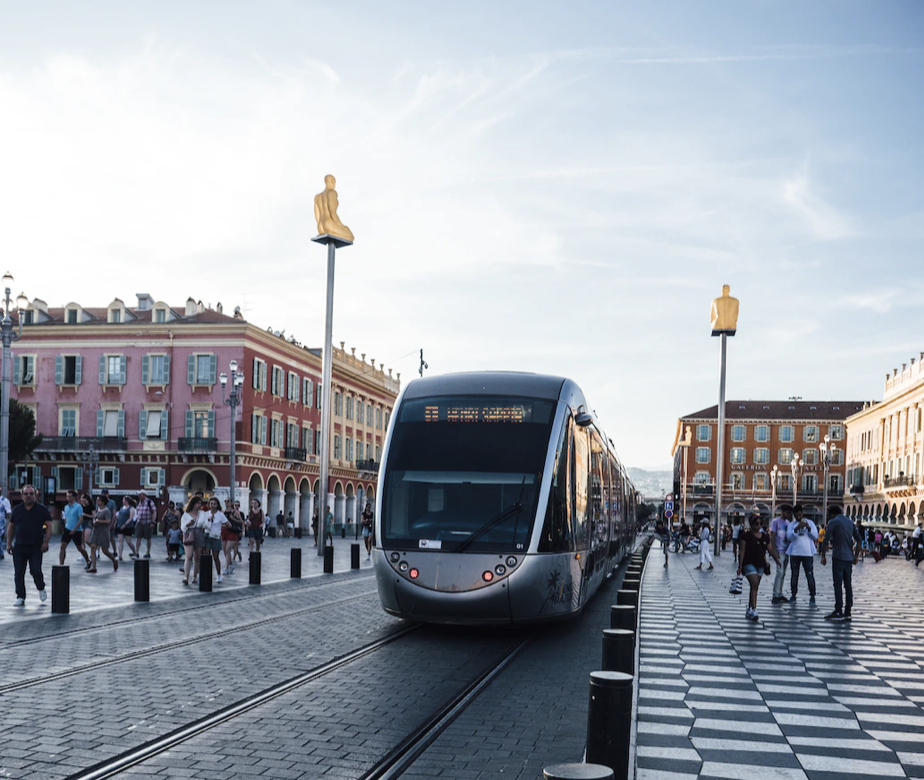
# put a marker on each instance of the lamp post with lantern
(6, 331)
(827, 448)
(796, 465)
(233, 400)
(774, 474)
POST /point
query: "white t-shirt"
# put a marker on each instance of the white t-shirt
(188, 521)
(736, 530)
(215, 522)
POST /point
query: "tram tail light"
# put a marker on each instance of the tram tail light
(488, 576)
(413, 574)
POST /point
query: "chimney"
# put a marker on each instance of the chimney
(145, 301)
(200, 307)
(190, 307)
(219, 308)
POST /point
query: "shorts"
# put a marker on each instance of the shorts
(213, 543)
(255, 533)
(75, 536)
(125, 530)
(173, 549)
(367, 532)
(144, 530)
(228, 535)
(750, 568)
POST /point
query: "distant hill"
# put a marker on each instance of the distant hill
(651, 483)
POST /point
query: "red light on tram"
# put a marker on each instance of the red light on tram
(413, 574)
(488, 576)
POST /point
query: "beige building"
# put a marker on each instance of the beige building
(885, 449)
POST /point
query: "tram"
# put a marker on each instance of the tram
(501, 501)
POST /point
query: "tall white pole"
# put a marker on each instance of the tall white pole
(326, 398)
(719, 466)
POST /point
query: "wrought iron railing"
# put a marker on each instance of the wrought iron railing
(367, 465)
(197, 444)
(900, 481)
(81, 443)
(299, 454)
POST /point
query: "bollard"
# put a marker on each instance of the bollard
(60, 589)
(577, 772)
(623, 616)
(298, 532)
(295, 564)
(255, 564)
(619, 650)
(631, 584)
(329, 559)
(609, 721)
(205, 573)
(143, 579)
(354, 556)
(627, 597)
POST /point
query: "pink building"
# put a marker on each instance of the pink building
(138, 387)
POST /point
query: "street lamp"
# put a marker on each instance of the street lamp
(796, 465)
(687, 441)
(6, 331)
(90, 461)
(774, 473)
(828, 449)
(233, 400)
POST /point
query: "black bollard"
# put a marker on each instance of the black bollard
(631, 584)
(329, 559)
(298, 532)
(143, 579)
(343, 531)
(205, 573)
(60, 589)
(255, 565)
(577, 772)
(354, 556)
(295, 563)
(609, 721)
(623, 616)
(618, 650)
(627, 597)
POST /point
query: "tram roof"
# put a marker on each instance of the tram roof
(493, 382)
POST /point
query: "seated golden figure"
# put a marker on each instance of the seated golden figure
(325, 212)
(725, 313)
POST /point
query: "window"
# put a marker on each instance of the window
(338, 403)
(109, 477)
(701, 478)
(337, 449)
(762, 455)
(307, 440)
(387, 418)
(737, 481)
(739, 433)
(378, 454)
(318, 401)
(834, 483)
(810, 456)
(291, 435)
(256, 421)
(115, 315)
(368, 414)
(160, 315)
(294, 387)
(24, 370)
(761, 482)
(307, 392)
(68, 370)
(703, 455)
(809, 483)
(762, 433)
(349, 408)
(155, 370)
(359, 446)
(279, 382)
(71, 317)
(737, 455)
(317, 442)
(786, 433)
(28, 317)
(67, 423)
(836, 432)
(112, 369)
(784, 456)
(110, 423)
(259, 375)
(360, 409)
(810, 433)
(785, 482)
(349, 449)
(202, 369)
(200, 424)
(276, 433)
(153, 424)
(703, 432)
(837, 457)
(378, 418)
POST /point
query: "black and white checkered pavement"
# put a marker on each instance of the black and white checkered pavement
(790, 697)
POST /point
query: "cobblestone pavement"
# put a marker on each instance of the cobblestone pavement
(791, 697)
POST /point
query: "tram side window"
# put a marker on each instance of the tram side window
(556, 531)
(597, 486)
(581, 514)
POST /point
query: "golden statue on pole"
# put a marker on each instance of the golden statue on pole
(325, 212)
(725, 313)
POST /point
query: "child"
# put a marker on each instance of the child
(174, 536)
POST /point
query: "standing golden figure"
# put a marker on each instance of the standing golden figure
(325, 212)
(725, 313)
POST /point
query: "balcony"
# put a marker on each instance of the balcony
(298, 454)
(81, 444)
(899, 481)
(197, 444)
(367, 465)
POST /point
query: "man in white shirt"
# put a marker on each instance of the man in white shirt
(802, 535)
(778, 528)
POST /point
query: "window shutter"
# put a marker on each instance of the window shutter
(145, 369)
(189, 423)
(298, 389)
(263, 431)
(211, 423)
(166, 369)
(121, 429)
(78, 370)
(17, 370)
(78, 478)
(255, 379)
(263, 376)
(191, 370)
(144, 477)
(102, 369)
(122, 365)
(142, 423)
(59, 369)
(165, 425)
(100, 422)
(115, 474)
(213, 369)
(253, 427)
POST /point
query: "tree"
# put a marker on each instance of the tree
(644, 512)
(23, 439)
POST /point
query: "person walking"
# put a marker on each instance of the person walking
(238, 521)
(145, 515)
(314, 526)
(86, 522)
(169, 515)
(736, 529)
(801, 534)
(290, 525)
(662, 532)
(367, 518)
(328, 528)
(255, 520)
(230, 534)
(280, 523)
(843, 539)
(188, 523)
(753, 546)
(705, 554)
(217, 520)
(5, 511)
(125, 527)
(99, 536)
(113, 511)
(73, 514)
(28, 532)
(778, 528)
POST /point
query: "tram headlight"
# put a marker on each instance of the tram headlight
(500, 569)
(488, 576)
(511, 561)
(395, 557)
(402, 566)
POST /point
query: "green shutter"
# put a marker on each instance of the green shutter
(78, 370)
(213, 368)
(120, 431)
(263, 430)
(123, 361)
(190, 421)
(142, 424)
(78, 478)
(102, 369)
(115, 481)
(253, 427)
(17, 370)
(211, 424)
(255, 378)
(59, 369)
(144, 477)
(145, 369)
(263, 376)
(165, 425)
(166, 369)
(100, 422)
(191, 370)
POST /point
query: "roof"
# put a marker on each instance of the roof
(98, 316)
(780, 410)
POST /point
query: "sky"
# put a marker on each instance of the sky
(558, 187)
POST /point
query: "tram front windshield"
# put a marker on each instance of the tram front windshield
(463, 474)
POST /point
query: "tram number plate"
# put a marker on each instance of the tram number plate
(431, 544)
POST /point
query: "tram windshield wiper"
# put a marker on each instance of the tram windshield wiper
(494, 521)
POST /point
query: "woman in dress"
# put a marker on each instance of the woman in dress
(229, 536)
(125, 525)
(255, 525)
(188, 524)
(99, 536)
(367, 529)
(753, 546)
(237, 520)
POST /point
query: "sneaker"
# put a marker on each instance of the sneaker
(784, 600)
(792, 599)
(834, 616)
(19, 603)
(147, 555)
(847, 617)
(43, 595)
(230, 569)
(812, 601)
(747, 613)
(182, 568)
(219, 578)
(755, 615)
(775, 600)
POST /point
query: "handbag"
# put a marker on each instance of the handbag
(737, 584)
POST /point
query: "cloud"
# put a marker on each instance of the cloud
(820, 219)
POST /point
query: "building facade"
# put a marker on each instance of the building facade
(758, 436)
(130, 398)
(885, 451)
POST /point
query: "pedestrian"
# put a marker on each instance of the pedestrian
(736, 529)
(125, 526)
(726, 535)
(917, 543)
(28, 532)
(801, 534)
(255, 520)
(174, 537)
(778, 528)
(843, 539)
(662, 531)
(290, 525)
(5, 512)
(145, 515)
(684, 534)
(99, 537)
(188, 523)
(705, 554)
(314, 526)
(216, 520)
(280, 523)
(367, 518)
(328, 528)
(86, 522)
(111, 506)
(170, 514)
(237, 520)
(73, 515)
(754, 545)
(229, 535)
